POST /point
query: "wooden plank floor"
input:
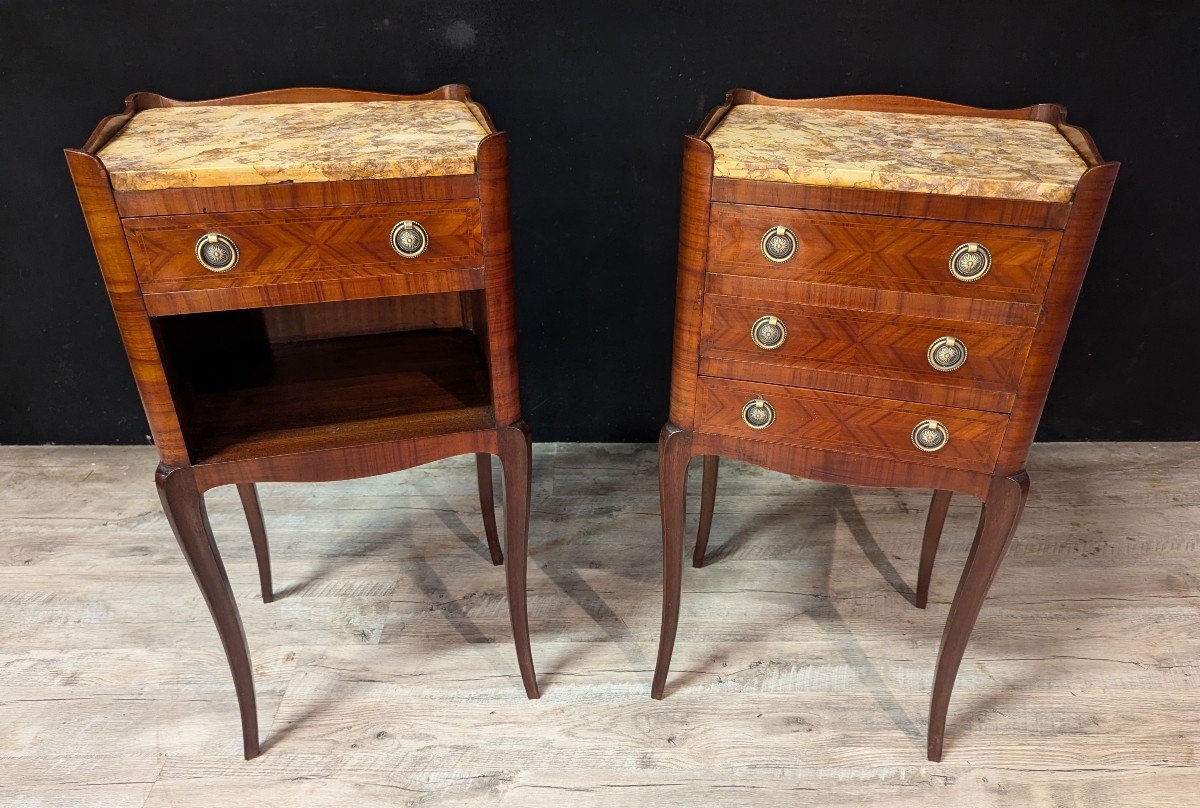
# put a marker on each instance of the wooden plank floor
(386, 675)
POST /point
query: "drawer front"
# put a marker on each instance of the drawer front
(290, 246)
(858, 351)
(883, 252)
(871, 427)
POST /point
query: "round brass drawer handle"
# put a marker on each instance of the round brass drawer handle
(778, 244)
(409, 239)
(930, 435)
(216, 253)
(758, 413)
(768, 332)
(970, 261)
(947, 354)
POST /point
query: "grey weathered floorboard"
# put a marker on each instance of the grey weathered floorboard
(386, 673)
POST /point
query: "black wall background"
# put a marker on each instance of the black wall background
(596, 97)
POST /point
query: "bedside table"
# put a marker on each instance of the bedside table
(311, 285)
(874, 290)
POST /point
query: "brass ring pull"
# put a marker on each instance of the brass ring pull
(778, 244)
(970, 261)
(768, 332)
(947, 354)
(758, 413)
(216, 253)
(409, 239)
(930, 435)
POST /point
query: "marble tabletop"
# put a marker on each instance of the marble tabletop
(261, 144)
(935, 154)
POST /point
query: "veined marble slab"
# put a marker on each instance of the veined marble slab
(261, 144)
(935, 154)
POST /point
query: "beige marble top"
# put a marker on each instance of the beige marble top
(935, 154)
(180, 147)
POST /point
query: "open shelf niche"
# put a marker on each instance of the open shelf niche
(266, 382)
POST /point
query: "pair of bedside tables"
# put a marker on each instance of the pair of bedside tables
(316, 285)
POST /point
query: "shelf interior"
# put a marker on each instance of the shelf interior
(244, 396)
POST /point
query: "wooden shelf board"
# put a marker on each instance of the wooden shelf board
(345, 391)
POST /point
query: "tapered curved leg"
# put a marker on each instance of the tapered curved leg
(185, 512)
(487, 505)
(997, 523)
(708, 498)
(929, 545)
(516, 460)
(674, 447)
(258, 535)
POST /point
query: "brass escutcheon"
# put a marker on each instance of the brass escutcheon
(409, 239)
(947, 354)
(970, 261)
(768, 332)
(758, 413)
(778, 244)
(930, 435)
(216, 252)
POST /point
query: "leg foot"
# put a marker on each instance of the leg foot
(674, 448)
(184, 507)
(516, 459)
(929, 545)
(997, 523)
(258, 535)
(487, 506)
(708, 498)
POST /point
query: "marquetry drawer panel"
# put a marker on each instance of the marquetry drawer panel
(873, 427)
(865, 352)
(324, 245)
(882, 251)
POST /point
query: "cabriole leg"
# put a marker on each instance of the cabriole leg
(708, 498)
(929, 545)
(673, 455)
(184, 507)
(997, 523)
(258, 535)
(487, 506)
(516, 458)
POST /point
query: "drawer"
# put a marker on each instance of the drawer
(343, 251)
(865, 352)
(872, 427)
(884, 252)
